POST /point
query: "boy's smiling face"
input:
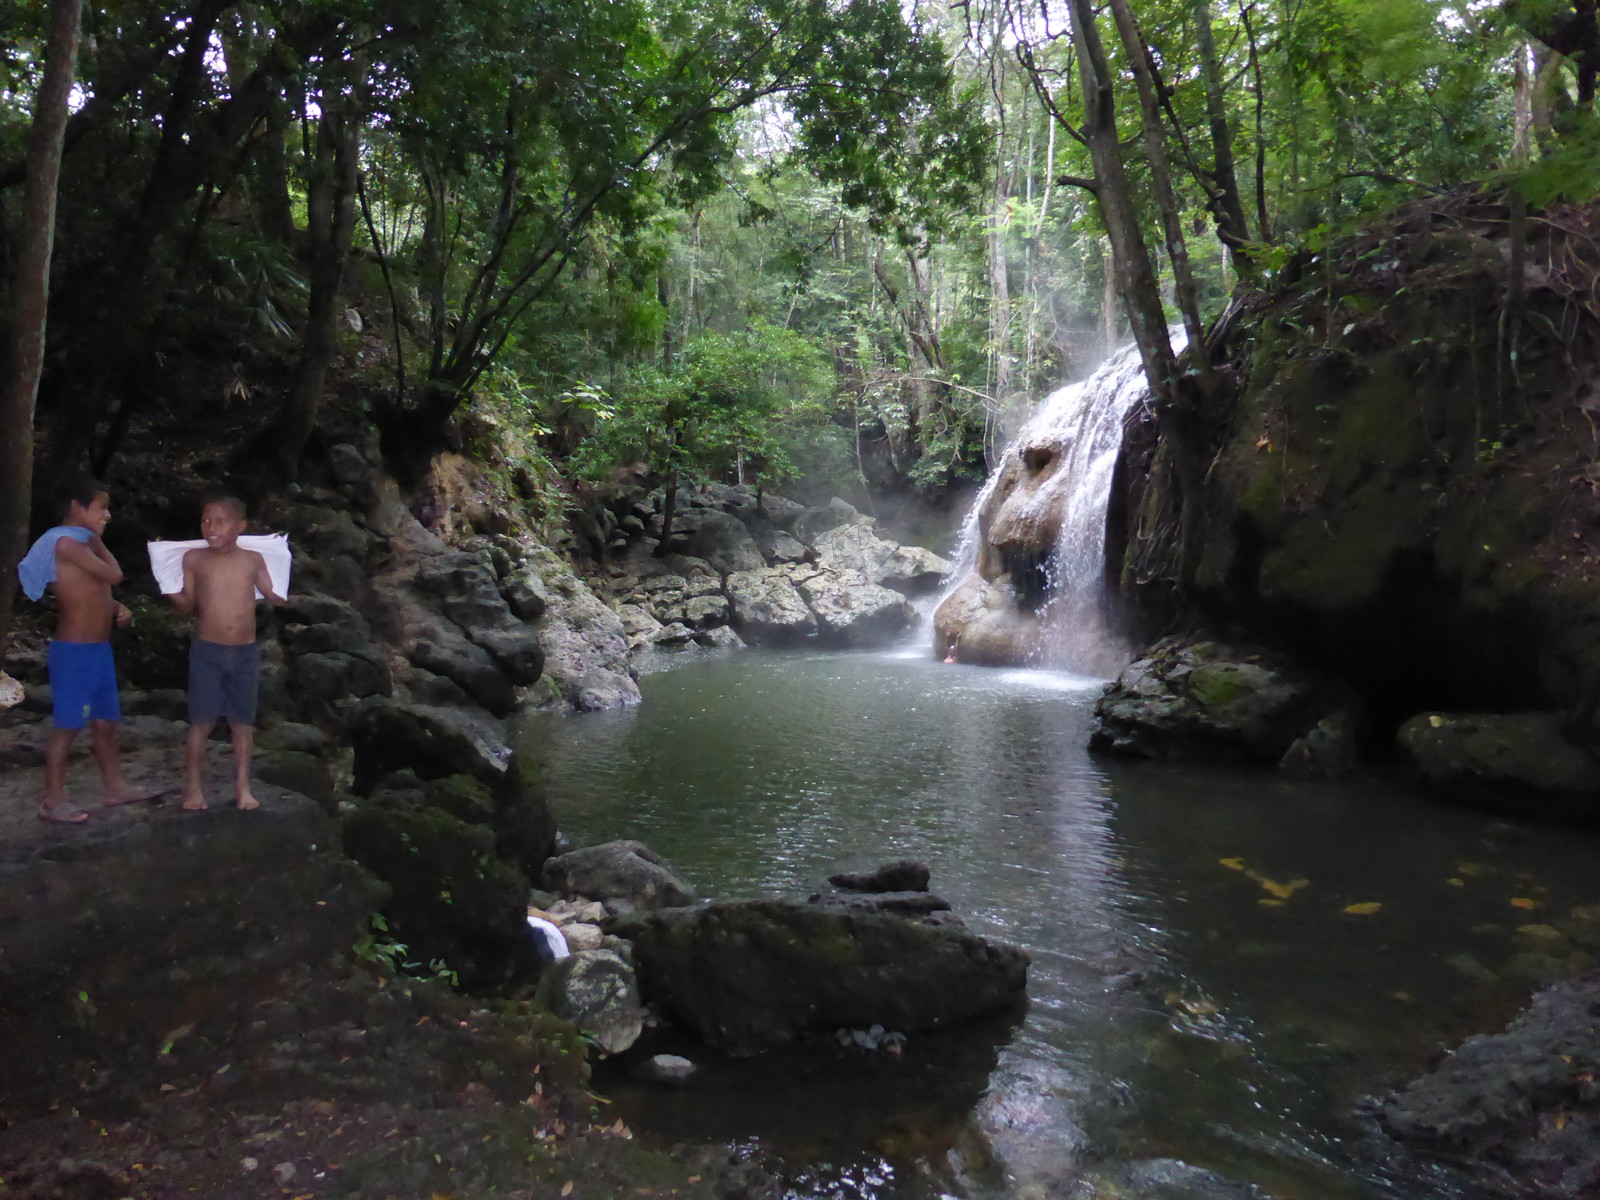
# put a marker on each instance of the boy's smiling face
(220, 525)
(93, 516)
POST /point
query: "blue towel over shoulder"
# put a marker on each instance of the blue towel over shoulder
(37, 570)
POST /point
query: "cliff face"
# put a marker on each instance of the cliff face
(1402, 488)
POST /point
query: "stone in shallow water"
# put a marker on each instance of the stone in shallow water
(667, 1068)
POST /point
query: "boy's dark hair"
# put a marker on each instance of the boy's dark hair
(80, 490)
(232, 503)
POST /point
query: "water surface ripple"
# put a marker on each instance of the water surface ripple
(1224, 962)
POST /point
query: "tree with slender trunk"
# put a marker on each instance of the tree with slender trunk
(31, 298)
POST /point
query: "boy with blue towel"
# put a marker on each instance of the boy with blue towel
(83, 674)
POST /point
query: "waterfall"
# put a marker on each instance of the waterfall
(1061, 463)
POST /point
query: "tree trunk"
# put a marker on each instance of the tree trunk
(1521, 107)
(330, 225)
(1136, 275)
(31, 299)
(1227, 207)
(669, 509)
(1161, 183)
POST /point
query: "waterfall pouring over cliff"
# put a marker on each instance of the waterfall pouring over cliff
(1029, 585)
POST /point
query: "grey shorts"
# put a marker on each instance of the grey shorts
(223, 682)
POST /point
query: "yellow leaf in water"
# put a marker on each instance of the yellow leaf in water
(566, 1188)
(1403, 997)
(1233, 864)
(1436, 720)
(1270, 903)
(1469, 869)
(1284, 890)
(1524, 902)
(1456, 882)
(1366, 908)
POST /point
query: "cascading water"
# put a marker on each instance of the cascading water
(1038, 526)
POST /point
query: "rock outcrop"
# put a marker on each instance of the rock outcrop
(750, 975)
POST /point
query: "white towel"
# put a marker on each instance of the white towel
(166, 560)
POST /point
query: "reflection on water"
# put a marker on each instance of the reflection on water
(1224, 962)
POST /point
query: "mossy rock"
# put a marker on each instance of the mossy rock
(153, 652)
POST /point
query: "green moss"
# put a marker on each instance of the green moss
(1218, 685)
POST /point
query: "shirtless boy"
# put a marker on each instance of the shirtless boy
(83, 674)
(220, 582)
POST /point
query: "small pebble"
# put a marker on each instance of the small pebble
(248, 1164)
(283, 1173)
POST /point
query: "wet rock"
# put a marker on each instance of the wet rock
(326, 679)
(852, 612)
(1328, 750)
(629, 870)
(697, 612)
(904, 875)
(981, 624)
(290, 735)
(516, 650)
(911, 903)
(767, 608)
(1527, 751)
(388, 735)
(1208, 701)
(672, 636)
(720, 638)
(753, 974)
(1522, 1104)
(596, 991)
(1172, 1179)
(667, 1068)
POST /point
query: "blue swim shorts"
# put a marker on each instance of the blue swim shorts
(223, 682)
(83, 683)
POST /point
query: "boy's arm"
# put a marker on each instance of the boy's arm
(183, 600)
(263, 581)
(92, 558)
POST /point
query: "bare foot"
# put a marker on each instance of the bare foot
(247, 802)
(193, 799)
(62, 812)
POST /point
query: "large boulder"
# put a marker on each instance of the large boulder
(809, 525)
(855, 547)
(1207, 700)
(1526, 752)
(851, 611)
(722, 540)
(627, 871)
(1521, 1105)
(768, 609)
(980, 623)
(754, 974)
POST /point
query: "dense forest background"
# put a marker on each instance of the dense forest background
(827, 244)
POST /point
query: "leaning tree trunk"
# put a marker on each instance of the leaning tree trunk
(330, 225)
(31, 298)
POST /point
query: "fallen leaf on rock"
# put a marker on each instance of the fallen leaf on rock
(1364, 909)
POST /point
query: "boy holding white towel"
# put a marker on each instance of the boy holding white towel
(220, 582)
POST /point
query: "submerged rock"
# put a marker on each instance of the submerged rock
(904, 875)
(753, 974)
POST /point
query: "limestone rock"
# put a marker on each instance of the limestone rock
(778, 547)
(753, 974)
(623, 869)
(722, 540)
(596, 991)
(816, 521)
(851, 611)
(981, 624)
(720, 638)
(767, 609)
(585, 645)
